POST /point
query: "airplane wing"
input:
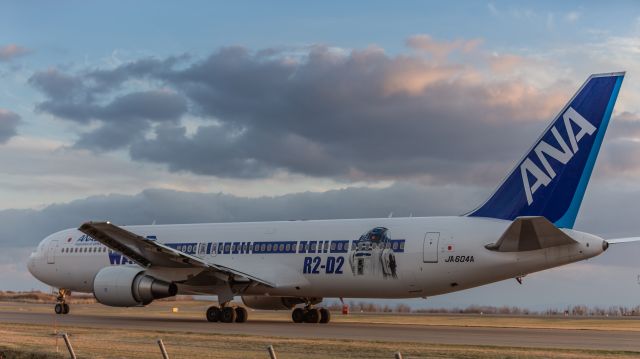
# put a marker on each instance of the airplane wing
(530, 233)
(147, 252)
(623, 240)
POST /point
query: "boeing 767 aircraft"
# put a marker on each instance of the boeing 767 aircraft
(524, 227)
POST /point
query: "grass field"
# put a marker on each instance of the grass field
(39, 341)
(89, 343)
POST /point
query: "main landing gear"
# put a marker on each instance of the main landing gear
(61, 307)
(309, 314)
(227, 314)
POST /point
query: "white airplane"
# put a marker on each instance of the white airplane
(524, 227)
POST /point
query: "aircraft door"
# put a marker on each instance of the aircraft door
(51, 251)
(430, 248)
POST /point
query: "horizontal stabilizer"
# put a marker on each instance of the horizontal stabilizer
(528, 234)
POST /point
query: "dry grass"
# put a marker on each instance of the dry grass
(110, 343)
(41, 297)
(38, 341)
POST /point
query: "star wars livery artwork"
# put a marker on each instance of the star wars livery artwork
(372, 254)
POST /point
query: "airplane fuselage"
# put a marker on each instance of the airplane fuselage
(416, 257)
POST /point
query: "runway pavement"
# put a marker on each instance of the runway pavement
(540, 338)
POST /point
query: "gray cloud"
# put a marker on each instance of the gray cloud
(122, 119)
(320, 112)
(9, 121)
(11, 51)
(57, 85)
(27, 227)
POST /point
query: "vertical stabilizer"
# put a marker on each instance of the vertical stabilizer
(551, 179)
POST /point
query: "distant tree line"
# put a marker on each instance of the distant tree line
(573, 310)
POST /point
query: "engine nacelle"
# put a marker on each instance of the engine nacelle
(273, 303)
(129, 287)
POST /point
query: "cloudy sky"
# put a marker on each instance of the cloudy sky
(257, 111)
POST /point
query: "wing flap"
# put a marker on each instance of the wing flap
(528, 234)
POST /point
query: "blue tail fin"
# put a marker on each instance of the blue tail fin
(551, 179)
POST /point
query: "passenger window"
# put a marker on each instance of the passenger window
(281, 247)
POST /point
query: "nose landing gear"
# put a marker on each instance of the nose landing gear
(227, 314)
(61, 307)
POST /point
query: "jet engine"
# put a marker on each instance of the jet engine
(129, 287)
(274, 303)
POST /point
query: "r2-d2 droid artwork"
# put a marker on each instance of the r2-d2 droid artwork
(371, 255)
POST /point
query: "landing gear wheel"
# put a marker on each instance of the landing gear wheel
(312, 316)
(228, 315)
(61, 307)
(297, 315)
(241, 315)
(325, 315)
(214, 314)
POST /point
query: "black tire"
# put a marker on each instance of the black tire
(65, 308)
(312, 316)
(241, 315)
(228, 315)
(325, 315)
(297, 315)
(58, 308)
(214, 314)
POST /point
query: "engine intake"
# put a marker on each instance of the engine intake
(129, 287)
